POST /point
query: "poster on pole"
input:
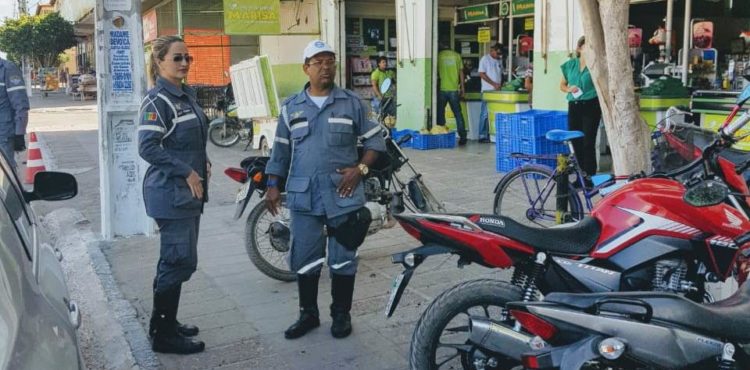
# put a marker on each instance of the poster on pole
(251, 17)
(117, 5)
(121, 68)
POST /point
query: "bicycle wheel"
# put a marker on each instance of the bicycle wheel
(529, 195)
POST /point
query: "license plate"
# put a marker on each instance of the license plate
(395, 287)
(242, 193)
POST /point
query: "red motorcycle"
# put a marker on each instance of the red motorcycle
(642, 236)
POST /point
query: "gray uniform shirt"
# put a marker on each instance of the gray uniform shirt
(14, 103)
(312, 143)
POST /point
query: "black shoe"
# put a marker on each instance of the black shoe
(342, 291)
(187, 330)
(177, 343)
(462, 141)
(308, 320)
(166, 338)
(342, 325)
(484, 140)
(309, 317)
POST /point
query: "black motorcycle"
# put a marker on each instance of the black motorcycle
(228, 129)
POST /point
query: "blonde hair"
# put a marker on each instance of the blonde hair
(159, 49)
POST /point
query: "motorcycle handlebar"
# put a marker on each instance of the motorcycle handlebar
(735, 126)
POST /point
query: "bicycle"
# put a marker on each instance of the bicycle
(530, 187)
(533, 186)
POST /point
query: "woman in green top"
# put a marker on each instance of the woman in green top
(584, 112)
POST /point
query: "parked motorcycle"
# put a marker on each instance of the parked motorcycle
(643, 236)
(227, 130)
(267, 236)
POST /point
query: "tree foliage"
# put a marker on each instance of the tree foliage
(42, 38)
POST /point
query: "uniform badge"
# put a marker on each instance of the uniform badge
(15, 80)
(149, 116)
(297, 114)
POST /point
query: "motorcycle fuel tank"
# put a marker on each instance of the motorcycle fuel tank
(648, 207)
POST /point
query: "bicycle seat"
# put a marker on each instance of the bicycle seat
(563, 135)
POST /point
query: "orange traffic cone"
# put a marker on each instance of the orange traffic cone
(34, 162)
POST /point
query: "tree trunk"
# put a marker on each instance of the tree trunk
(605, 24)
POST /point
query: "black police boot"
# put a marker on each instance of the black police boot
(166, 339)
(309, 316)
(185, 329)
(342, 290)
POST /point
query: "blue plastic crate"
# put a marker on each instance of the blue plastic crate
(503, 124)
(398, 134)
(433, 141)
(536, 123)
(503, 146)
(504, 164)
(539, 145)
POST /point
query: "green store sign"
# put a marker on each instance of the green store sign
(476, 13)
(522, 7)
(251, 17)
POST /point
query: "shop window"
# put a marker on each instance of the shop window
(166, 19)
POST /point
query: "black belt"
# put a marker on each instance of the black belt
(581, 102)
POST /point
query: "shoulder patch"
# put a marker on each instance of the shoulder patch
(15, 79)
(149, 116)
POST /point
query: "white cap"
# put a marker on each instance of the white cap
(316, 47)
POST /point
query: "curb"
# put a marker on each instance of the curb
(109, 323)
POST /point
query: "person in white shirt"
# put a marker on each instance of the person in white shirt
(491, 73)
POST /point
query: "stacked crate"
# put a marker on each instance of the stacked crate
(426, 141)
(524, 133)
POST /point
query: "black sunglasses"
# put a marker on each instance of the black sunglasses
(178, 58)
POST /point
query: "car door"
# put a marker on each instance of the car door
(36, 309)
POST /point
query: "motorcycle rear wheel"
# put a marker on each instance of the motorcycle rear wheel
(269, 259)
(224, 135)
(453, 308)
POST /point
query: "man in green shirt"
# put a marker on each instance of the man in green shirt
(376, 78)
(451, 73)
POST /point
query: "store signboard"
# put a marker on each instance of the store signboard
(251, 17)
(476, 13)
(150, 26)
(483, 34)
(523, 7)
(528, 24)
(505, 8)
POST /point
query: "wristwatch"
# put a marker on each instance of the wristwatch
(363, 169)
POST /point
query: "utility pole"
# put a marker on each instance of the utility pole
(23, 9)
(121, 84)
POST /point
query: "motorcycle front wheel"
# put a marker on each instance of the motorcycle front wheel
(224, 135)
(267, 240)
(441, 338)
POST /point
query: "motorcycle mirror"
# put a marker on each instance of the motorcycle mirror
(706, 193)
(385, 86)
(744, 96)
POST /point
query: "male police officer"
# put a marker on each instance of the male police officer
(14, 110)
(316, 151)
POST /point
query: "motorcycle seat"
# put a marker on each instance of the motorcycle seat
(574, 239)
(727, 318)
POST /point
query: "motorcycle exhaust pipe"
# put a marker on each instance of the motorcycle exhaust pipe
(498, 338)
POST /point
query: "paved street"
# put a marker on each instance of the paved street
(241, 312)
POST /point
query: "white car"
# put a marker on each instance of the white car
(38, 320)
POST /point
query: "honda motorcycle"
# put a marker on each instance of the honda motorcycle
(267, 237)
(641, 237)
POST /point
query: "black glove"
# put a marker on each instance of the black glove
(19, 144)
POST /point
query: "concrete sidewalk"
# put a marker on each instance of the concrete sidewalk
(241, 312)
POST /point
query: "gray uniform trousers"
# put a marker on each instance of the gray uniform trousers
(309, 242)
(178, 257)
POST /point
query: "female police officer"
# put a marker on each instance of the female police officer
(172, 139)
